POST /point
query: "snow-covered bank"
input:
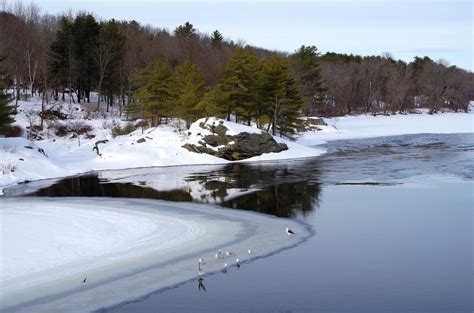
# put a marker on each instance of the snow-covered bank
(367, 126)
(162, 146)
(125, 248)
(65, 156)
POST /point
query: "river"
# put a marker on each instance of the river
(392, 219)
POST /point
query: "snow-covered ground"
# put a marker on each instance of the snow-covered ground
(367, 126)
(125, 248)
(162, 146)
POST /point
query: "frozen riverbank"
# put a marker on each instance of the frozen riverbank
(125, 248)
(368, 126)
(56, 157)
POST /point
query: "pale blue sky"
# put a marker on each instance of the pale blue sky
(438, 29)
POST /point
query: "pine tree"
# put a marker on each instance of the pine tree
(85, 31)
(281, 96)
(240, 84)
(216, 39)
(188, 92)
(153, 93)
(60, 57)
(305, 65)
(6, 110)
(185, 31)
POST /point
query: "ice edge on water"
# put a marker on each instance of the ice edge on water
(240, 231)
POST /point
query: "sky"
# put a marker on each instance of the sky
(403, 28)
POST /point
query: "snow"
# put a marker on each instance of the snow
(126, 248)
(21, 160)
(162, 147)
(367, 126)
(163, 144)
(233, 128)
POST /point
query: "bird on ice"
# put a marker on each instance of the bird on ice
(237, 263)
(289, 232)
(219, 254)
(249, 251)
(224, 268)
(201, 264)
(229, 253)
(84, 280)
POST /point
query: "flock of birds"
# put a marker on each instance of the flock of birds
(219, 255)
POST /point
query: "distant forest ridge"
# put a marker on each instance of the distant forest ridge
(154, 74)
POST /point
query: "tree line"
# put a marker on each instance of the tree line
(156, 74)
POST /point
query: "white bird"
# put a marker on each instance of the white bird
(201, 264)
(237, 263)
(224, 268)
(219, 254)
(249, 251)
(289, 232)
(229, 253)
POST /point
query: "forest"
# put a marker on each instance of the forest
(155, 74)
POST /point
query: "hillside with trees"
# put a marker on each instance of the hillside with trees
(155, 74)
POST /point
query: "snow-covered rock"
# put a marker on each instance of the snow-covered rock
(229, 140)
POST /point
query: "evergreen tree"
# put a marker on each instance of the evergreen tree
(305, 64)
(280, 93)
(185, 31)
(6, 110)
(153, 93)
(216, 39)
(239, 87)
(85, 32)
(187, 92)
(60, 57)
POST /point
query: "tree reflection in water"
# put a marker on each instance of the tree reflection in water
(280, 189)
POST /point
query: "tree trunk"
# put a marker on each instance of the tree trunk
(98, 93)
(17, 94)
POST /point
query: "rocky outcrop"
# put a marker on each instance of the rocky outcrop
(216, 141)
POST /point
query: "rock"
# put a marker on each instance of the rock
(220, 130)
(316, 121)
(141, 140)
(241, 146)
(311, 124)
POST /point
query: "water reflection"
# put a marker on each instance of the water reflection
(285, 188)
(276, 188)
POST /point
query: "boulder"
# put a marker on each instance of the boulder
(241, 146)
(316, 121)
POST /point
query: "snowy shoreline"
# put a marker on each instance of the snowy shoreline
(134, 261)
(162, 147)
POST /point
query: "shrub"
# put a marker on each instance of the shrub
(78, 128)
(117, 130)
(7, 168)
(14, 131)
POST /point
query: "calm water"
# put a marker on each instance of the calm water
(393, 220)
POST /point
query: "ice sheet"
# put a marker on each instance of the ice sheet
(126, 248)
